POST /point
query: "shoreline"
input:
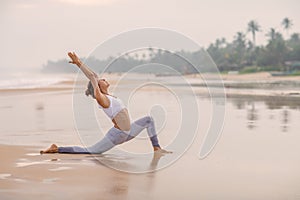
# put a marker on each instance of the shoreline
(234, 84)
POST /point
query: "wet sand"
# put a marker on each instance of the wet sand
(239, 168)
(257, 156)
(27, 175)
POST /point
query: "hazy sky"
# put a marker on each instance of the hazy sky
(33, 31)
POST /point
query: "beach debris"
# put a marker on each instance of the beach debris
(60, 169)
(4, 176)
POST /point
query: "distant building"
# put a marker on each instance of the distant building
(292, 65)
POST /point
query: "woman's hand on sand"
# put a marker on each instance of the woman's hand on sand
(74, 59)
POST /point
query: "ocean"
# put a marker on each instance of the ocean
(31, 80)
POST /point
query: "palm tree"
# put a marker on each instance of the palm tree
(223, 42)
(218, 43)
(295, 37)
(287, 24)
(294, 42)
(240, 40)
(253, 27)
(239, 45)
(271, 34)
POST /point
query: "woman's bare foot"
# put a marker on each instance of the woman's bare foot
(160, 150)
(52, 149)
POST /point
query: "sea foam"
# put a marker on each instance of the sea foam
(30, 81)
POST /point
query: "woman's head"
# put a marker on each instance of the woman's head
(103, 85)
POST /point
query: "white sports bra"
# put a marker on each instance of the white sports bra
(115, 106)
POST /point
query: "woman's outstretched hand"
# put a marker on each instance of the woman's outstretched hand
(74, 59)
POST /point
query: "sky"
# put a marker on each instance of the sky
(35, 31)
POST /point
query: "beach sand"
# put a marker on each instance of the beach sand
(257, 156)
(32, 176)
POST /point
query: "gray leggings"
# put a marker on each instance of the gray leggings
(115, 136)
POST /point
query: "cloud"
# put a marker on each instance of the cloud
(89, 2)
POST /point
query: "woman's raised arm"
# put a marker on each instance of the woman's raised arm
(93, 77)
(84, 68)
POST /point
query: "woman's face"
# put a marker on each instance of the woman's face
(103, 84)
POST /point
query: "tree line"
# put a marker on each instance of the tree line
(241, 55)
(278, 54)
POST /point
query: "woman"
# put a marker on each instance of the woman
(122, 130)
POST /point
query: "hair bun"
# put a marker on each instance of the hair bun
(87, 92)
(90, 90)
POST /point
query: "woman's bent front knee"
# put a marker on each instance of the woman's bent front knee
(117, 137)
(144, 121)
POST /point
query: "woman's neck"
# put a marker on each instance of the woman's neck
(104, 92)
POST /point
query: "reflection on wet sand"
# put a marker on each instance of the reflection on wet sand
(271, 102)
(285, 120)
(252, 115)
(119, 185)
(284, 105)
(40, 116)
